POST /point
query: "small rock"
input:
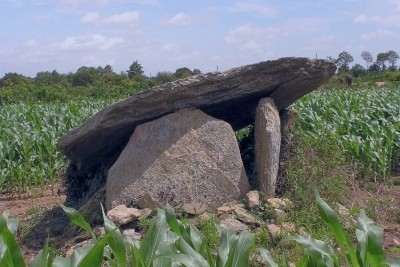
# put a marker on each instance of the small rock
(122, 215)
(224, 216)
(279, 214)
(99, 231)
(289, 227)
(274, 229)
(195, 208)
(233, 224)
(244, 216)
(253, 199)
(224, 209)
(131, 233)
(280, 203)
(71, 250)
(145, 213)
(342, 210)
(146, 201)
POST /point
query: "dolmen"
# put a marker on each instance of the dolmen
(176, 143)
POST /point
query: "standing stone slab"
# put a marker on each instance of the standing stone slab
(180, 158)
(231, 96)
(267, 134)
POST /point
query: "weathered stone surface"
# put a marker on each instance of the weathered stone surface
(122, 215)
(145, 213)
(233, 225)
(274, 230)
(147, 202)
(267, 135)
(231, 96)
(195, 208)
(244, 216)
(280, 203)
(131, 233)
(253, 199)
(182, 157)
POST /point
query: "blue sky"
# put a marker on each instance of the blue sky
(63, 35)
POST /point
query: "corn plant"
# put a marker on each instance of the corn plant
(367, 253)
(29, 136)
(365, 123)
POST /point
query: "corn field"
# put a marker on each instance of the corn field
(365, 123)
(29, 136)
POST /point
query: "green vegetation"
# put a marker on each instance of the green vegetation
(365, 123)
(29, 136)
(169, 242)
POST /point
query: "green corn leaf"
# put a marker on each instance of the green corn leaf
(171, 219)
(369, 237)
(184, 259)
(267, 257)
(188, 250)
(195, 237)
(90, 255)
(316, 249)
(392, 262)
(154, 236)
(61, 262)
(206, 253)
(167, 246)
(137, 260)
(331, 220)
(116, 241)
(228, 238)
(10, 243)
(239, 255)
(76, 218)
(42, 259)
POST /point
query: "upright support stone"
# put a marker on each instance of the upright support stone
(288, 121)
(267, 133)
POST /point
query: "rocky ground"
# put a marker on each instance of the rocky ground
(380, 200)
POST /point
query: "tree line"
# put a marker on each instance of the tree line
(89, 76)
(384, 61)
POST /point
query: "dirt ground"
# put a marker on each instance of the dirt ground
(41, 217)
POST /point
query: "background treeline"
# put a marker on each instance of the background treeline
(100, 82)
(86, 82)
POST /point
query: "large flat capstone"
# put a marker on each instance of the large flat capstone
(231, 96)
(179, 158)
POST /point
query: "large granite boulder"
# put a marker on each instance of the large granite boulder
(267, 135)
(179, 158)
(231, 96)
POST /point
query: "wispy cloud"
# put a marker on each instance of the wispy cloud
(381, 35)
(131, 18)
(180, 19)
(253, 7)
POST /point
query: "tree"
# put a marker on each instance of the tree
(84, 76)
(374, 67)
(13, 79)
(381, 58)
(357, 70)
(196, 71)
(183, 73)
(343, 61)
(164, 77)
(367, 56)
(392, 57)
(135, 70)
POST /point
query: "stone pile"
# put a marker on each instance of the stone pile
(176, 143)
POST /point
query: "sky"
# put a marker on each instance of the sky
(63, 35)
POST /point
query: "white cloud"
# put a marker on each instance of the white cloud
(131, 18)
(180, 19)
(381, 35)
(31, 42)
(250, 37)
(88, 41)
(253, 7)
